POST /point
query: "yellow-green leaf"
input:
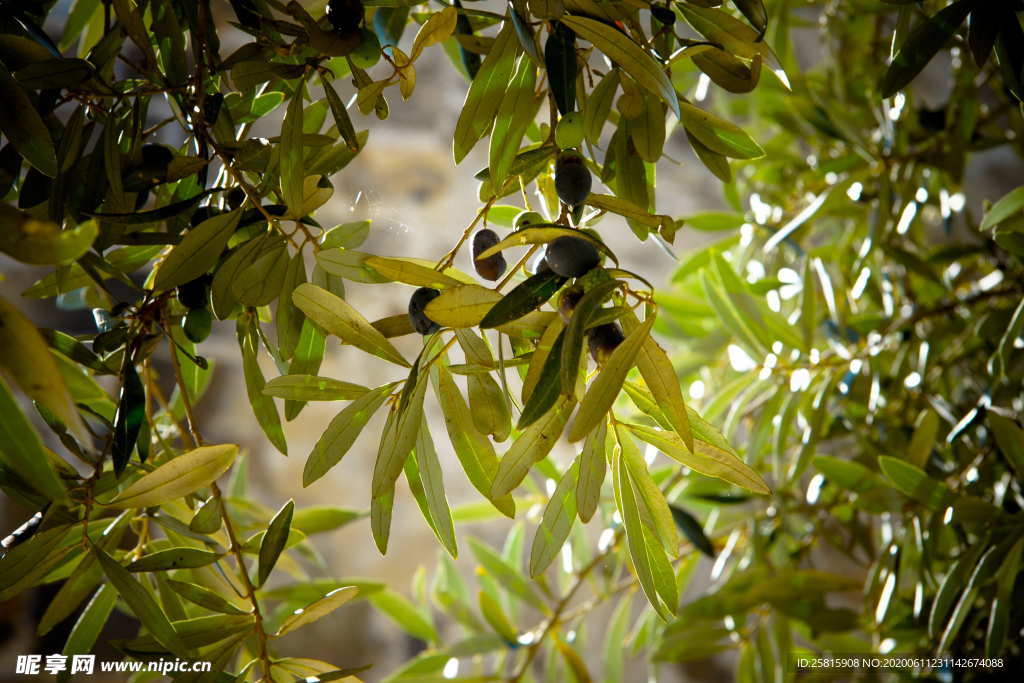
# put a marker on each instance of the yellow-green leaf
(312, 388)
(463, 306)
(484, 95)
(603, 390)
(317, 610)
(434, 30)
(42, 242)
(197, 252)
(337, 317)
(410, 272)
(628, 55)
(178, 477)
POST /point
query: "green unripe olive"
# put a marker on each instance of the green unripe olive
(420, 322)
(569, 131)
(572, 178)
(571, 256)
(193, 294)
(568, 300)
(492, 267)
(197, 324)
(602, 340)
(528, 219)
(368, 52)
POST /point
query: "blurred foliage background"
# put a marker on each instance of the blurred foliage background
(843, 313)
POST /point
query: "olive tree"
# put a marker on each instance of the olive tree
(850, 339)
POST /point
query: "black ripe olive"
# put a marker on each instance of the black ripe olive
(492, 267)
(572, 178)
(197, 324)
(155, 159)
(235, 198)
(345, 15)
(420, 322)
(193, 294)
(567, 301)
(571, 256)
(663, 14)
(602, 340)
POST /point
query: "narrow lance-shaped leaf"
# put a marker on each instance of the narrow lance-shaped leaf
(317, 610)
(263, 407)
(603, 390)
(341, 433)
(292, 152)
(426, 481)
(142, 604)
(532, 446)
(525, 297)
(23, 127)
(593, 466)
(518, 107)
(173, 558)
(484, 95)
(396, 445)
(274, 541)
(177, 477)
(927, 38)
(21, 449)
(556, 523)
(337, 317)
(131, 412)
(198, 252)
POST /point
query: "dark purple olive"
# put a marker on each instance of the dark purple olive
(571, 256)
(572, 179)
(492, 267)
(194, 293)
(604, 339)
(235, 198)
(663, 14)
(417, 304)
(345, 15)
(567, 301)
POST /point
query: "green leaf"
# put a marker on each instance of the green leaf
(274, 541)
(556, 523)
(42, 242)
(708, 458)
(312, 388)
(660, 376)
(337, 317)
(693, 530)
(141, 603)
(532, 446)
(544, 233)
(91, 621)
(654, 510)
(527, 296)
(341, 433)
(598, 105)
(496, 617)
(518, 108)
(474, 450)
(1010, 439)
(197, 252)
(22, 450)
(1010, 203)
(292, 150)
(603, 390)
(485, 93)
(317, 610)
(340, 113)
(426, 481)
(287, 317)
(913, 482)
(320, 518)
(23, 127)
(26, 357)
(923, 43)
(619, 48)
(593, 467)
(380, 514)
(173, 558)
(263, 407)
(204, 597)
(396, 444)
(548, 386)
(508, 577)
(396, 607)
(718, 135)
(177, 477)
(572, 341)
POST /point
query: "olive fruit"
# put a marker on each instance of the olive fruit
(528, 219)
(420, 322)
(663, 14)
(197, 324)
(193, 294)
(492, 267)
(571, 256)
(235, 198)
(572, 178)
(602, 340)
(368, 52)
(568, 300)
(345, 15)
(569, 130)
